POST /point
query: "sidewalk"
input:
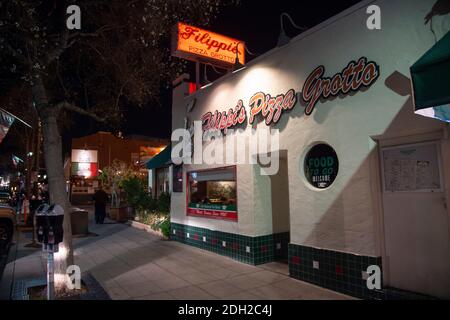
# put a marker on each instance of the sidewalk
(133, 264)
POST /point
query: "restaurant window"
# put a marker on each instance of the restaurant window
(213, 194)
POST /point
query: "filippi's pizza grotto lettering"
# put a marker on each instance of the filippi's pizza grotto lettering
(224, 120)
(200, 42)
(355, 76)
(270, 108)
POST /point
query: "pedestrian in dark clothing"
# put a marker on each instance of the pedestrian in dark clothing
(101, 199)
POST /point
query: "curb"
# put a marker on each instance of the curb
(145, 227)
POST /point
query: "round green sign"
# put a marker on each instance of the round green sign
(321, 166)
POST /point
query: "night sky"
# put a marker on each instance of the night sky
(255, 22)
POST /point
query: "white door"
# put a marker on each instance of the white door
(415, 219)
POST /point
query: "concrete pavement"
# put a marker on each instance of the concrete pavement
(133, 264)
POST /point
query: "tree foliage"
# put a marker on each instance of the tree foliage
(120, 56)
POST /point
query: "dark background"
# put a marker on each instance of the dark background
(255, 22)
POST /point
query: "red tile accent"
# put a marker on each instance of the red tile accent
(339, 270)
(295, 260)
(213, 242)
(235, 246)
(264, 249)
(195, 236)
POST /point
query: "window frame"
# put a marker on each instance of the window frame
(203, 213)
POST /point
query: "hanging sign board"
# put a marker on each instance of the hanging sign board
(204, 46)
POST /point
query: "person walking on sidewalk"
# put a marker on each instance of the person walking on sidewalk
(100, 199)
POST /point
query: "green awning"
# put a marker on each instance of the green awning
(162, 159)
(431, 81)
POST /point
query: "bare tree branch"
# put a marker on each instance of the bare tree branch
(71, 107)
(16, 54)
(56, 53)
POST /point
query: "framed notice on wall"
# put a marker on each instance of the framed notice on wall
(412, 168)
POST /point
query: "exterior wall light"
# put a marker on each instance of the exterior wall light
(237, 65)
(284, 39)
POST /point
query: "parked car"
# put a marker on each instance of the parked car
(7, 225)
(5, 198)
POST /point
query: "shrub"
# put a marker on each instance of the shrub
(147, 203)
(163, 203)
(165, 228)
(134, 190)
(162, 223)
(137, 196)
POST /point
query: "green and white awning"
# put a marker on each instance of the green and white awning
(431, 81)
(161, 160)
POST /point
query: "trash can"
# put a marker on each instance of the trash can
(80, 221)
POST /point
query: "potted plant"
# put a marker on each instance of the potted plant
(112, 178)
(134, 188)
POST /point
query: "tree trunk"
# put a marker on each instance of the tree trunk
(28, 165)
(37, 153)
(55, 174)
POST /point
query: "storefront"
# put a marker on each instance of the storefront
(160, 172)
(91, 154)
(362, 180)
(83, 175)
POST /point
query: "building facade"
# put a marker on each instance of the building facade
(92, 153)
(362, 181)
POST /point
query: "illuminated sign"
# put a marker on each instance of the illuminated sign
(197, 44)
(354, 77)
(81, 155)
(84, 169)
(84, 163)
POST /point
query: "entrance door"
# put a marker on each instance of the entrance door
(280, 213)
(415, 219)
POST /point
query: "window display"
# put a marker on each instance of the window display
(213, 193)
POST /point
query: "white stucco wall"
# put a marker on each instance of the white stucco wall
(341, 217)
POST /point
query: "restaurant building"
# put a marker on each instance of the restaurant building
(363, 180)
(90, 154)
